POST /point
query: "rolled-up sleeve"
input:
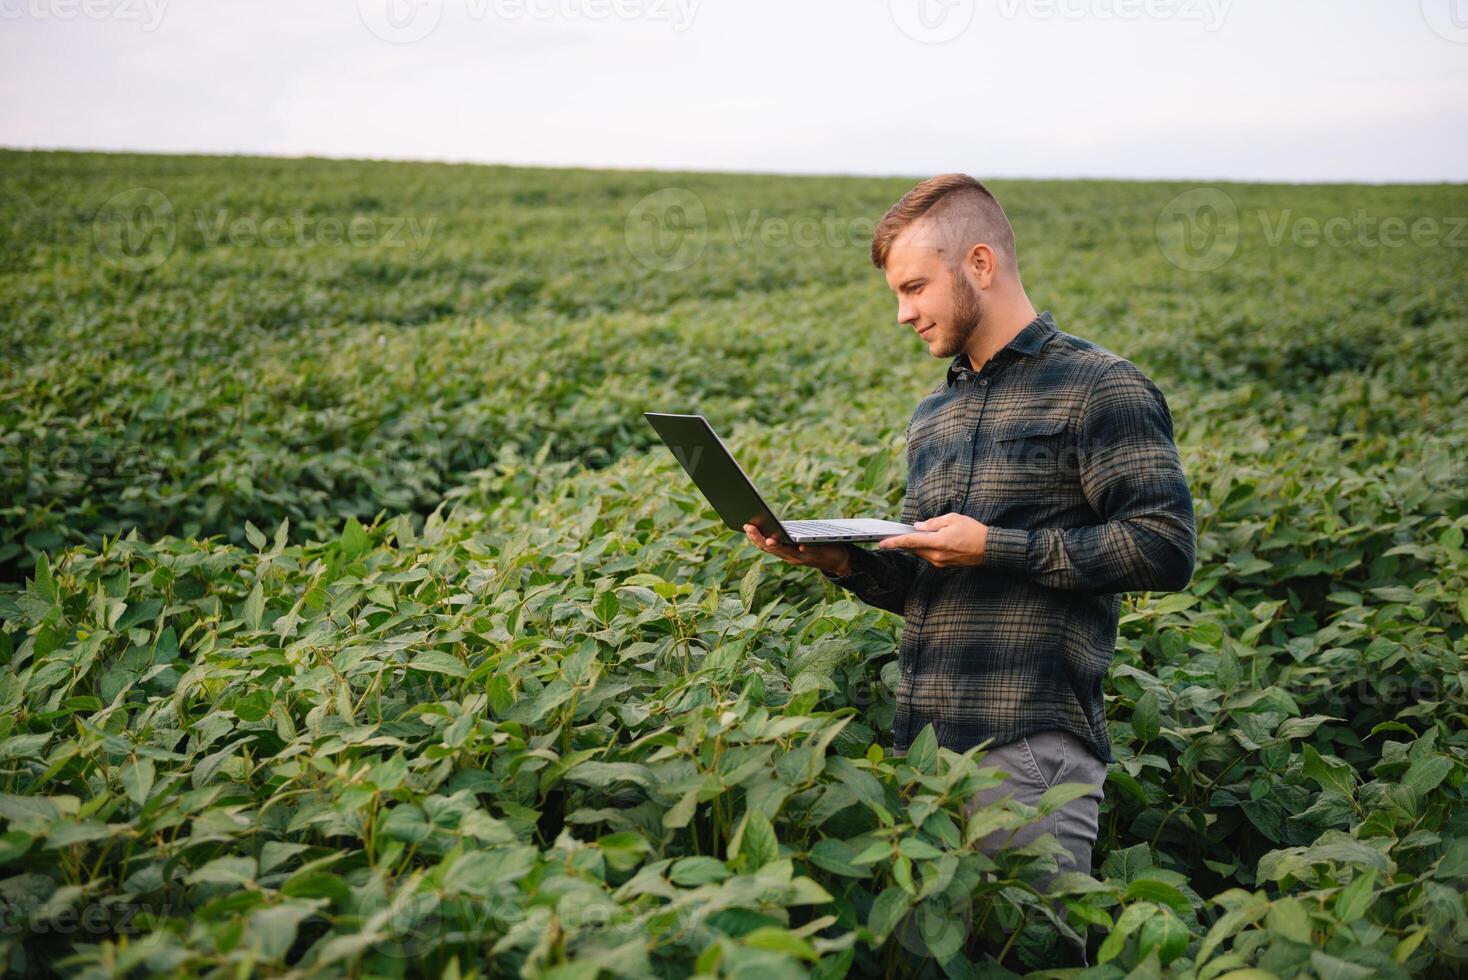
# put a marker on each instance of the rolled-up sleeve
(1132, 475)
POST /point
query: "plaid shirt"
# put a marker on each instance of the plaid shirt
(1065, 450)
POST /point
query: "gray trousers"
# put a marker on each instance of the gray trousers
(1035, 763)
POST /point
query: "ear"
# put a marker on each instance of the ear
(981, 261)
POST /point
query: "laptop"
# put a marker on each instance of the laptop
(706, 459)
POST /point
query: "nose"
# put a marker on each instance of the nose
(906, 312)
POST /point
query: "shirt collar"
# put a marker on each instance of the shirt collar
(1028, 343)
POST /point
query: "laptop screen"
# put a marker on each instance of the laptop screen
(706, 459)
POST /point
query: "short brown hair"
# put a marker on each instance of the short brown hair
(964, 207)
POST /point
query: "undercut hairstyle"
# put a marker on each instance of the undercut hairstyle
(957, 211)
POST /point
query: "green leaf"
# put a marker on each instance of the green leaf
(137, 779)
(747, 586)
(835, 856)
(231, 869)
(1128, 922)
(1158, 891)
(708, 961)
(139, 612)
(608, 605)
(758, 844)
(1146, 717)
(942, 931)
(439, 662)
(1173, 602)
(1251, 909)
(272, 930)
(918, 850)
(1454, 863)
(255, 607)
(1424, 775)
(1124, 864)
(680, 814)
(1329, 967)
(253, 706)
(1302, 727)
(902, 874)
(1331, 774)
(24, 746)
(693, 871)
(43, 585)
(922, 754)
(70, 832)
(255, 536)
(1060, 794)
(606, 774)
(887, 911)
(1355, 899)
(779, 940)
(354, 540)
(14, 844)
(1165, 933)
(501, 698)
(1228, 672)
(622, 851)
(1287, 917)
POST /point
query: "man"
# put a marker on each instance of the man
(1044, 480)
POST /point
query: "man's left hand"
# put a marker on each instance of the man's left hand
(947, 541)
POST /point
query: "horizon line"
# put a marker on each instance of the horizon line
(463, 162)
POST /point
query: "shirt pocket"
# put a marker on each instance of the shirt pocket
(1035, 453)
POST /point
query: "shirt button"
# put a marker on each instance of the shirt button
(983, 381)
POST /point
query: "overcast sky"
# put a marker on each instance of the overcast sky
(1299, 90)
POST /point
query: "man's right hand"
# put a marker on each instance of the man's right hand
(834, 559)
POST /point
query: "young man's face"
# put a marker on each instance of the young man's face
(939, 303)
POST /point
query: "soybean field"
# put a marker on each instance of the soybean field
(354, 621)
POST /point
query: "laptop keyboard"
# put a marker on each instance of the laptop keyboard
(815, 527)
